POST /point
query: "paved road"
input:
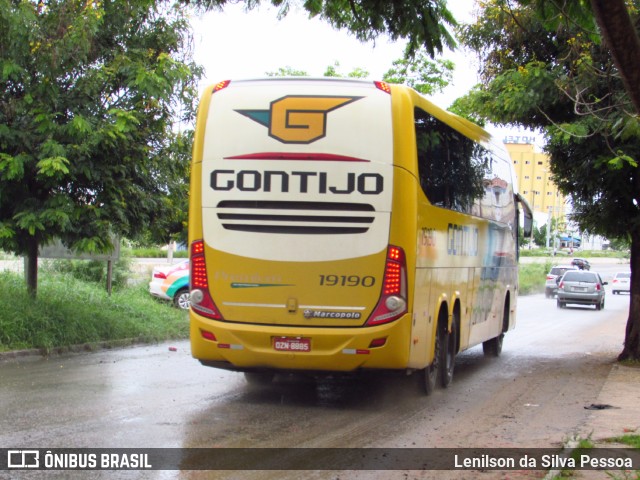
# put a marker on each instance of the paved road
(553, 364)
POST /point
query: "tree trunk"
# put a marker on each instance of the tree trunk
(631, 350)
(31, 272)
(622, 40)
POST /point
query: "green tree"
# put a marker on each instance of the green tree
(89, 93)
(332, 71)
(543, 69)
(426, 76)
(614, 19)
(419, 72)
(287, 72)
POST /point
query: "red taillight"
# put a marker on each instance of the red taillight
(198, 266)
(159, 275)
(561, 285)
(550, 277)
(393, 299)
(207, 335)
(220, 85)
(393, 275)
(201, 300)
(384, 86)
(598, 287)
(378, 342)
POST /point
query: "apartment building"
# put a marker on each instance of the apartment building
(534, 178)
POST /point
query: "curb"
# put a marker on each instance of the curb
(71, 349)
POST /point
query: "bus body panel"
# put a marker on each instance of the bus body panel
(340, 293)
(296, 230)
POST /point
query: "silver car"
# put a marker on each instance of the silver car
(581, 287)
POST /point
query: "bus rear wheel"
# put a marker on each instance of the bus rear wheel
(431, 372)
(448, 354)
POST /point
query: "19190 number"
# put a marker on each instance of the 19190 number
(346, 281)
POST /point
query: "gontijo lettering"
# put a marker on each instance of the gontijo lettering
(298, 182)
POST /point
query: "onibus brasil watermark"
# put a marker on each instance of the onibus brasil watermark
(318, 459)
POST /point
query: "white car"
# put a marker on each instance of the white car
(621, 282)
(172, 283)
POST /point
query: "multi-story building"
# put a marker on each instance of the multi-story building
(536, 185)
(534, 179)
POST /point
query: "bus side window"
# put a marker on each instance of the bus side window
(452, 168)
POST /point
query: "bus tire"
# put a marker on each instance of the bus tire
(430, 373)
(493, 347)
(448, 354)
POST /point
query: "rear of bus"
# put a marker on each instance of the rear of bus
(293, 265)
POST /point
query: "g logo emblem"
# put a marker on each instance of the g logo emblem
(298, 118)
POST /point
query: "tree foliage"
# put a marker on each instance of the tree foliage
(420, 72)
(89, 93)
(544, 66)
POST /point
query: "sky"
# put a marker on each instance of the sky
(234, 44)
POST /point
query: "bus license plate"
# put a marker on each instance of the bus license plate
(292, 344)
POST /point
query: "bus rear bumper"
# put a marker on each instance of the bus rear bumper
(249, 347)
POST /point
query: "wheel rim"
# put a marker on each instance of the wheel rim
(184, 301)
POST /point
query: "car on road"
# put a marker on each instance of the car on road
(581, 263)
(581, 287)
(621, 282)
(553, 277)
(172, 283)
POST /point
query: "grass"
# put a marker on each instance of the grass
(541, 252)
(533, 277)
(68, 312)
(633, 440)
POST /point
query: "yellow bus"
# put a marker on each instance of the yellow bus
(346, 226)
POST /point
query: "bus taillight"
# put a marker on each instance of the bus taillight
(384, 86)
(393, 299)
(221, 85)
(201, 300)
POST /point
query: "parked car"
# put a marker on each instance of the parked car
(621, 282)
(581, 287)
(172, 283)
(553, 277)
(581, 263)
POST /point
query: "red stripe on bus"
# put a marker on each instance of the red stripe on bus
(322, 157)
